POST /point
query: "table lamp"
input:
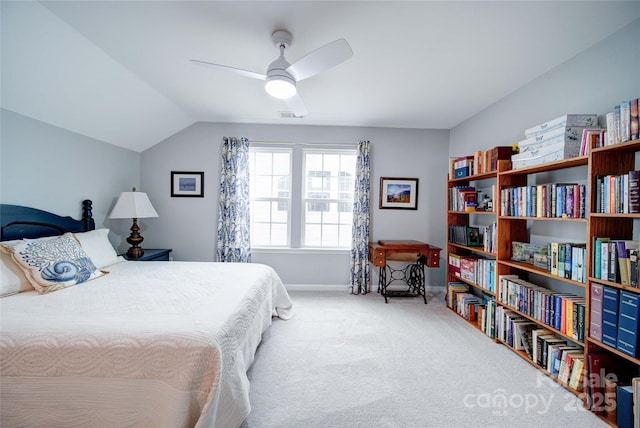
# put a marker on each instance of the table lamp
(133, 205)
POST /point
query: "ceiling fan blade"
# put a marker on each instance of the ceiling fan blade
(321, 59)
(296, 105)
(239, 71)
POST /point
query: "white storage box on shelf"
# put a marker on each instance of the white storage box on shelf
(548, 153)
(567, 138)
(568, 120)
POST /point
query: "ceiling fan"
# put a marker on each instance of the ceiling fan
(281, 77)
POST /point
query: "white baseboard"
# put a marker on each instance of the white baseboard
(317, 287)
(345, 288)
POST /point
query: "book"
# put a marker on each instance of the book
(628, 317)
(454, 288)
(552, 352)
(635, 118)
(610, 400)
(625, 121)
(610, 133)
(623, 247)
(535, 351)
(546, 343)
(624, 404)
(635, 384)
(518, 327)
(557, 357)
(634, 191)
(576, 374)
(597, 255)
(588, 134)
(633, 267)
(473, 237)
(526, 337)
(595, 308)
(598, 365)
(616, 125)
(568, 358)
(610, 302)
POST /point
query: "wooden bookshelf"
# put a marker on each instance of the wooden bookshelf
(467, 218)
(615, 159)
(516, 228)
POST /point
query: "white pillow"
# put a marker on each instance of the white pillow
(98, 247)
(12, 279)
(52, 264)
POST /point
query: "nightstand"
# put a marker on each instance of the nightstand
(152, 255)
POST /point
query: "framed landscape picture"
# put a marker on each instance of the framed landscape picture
(187, 184)
(398, 193)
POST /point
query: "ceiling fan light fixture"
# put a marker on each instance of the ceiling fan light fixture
(280, 87)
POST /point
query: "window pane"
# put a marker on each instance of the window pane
(260, 234)
(345, 236)
(260, 211)
(312, 235)
(313, 162)
(313, 214)
(279, 234)
(281, 164)
(331, 215)
(280, 212)
(332, 164)
(347, 217)
(329, 181)
(263, 163)
(329, 235)
(261, 187)
(281, 186)
(270, 193)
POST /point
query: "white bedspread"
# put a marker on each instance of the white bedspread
(149, 344)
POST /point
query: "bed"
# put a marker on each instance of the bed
(146, 344)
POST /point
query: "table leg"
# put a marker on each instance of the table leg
(417, 278)
(382, 282)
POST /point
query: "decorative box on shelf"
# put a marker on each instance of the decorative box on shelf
(555, 140)
(568, 120)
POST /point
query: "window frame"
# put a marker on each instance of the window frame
(304, 199)
(296, 224)
(272, 149)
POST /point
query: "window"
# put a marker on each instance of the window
(301, 197)
(328, 192)
(270, 197)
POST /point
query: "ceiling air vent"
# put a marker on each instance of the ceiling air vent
(289, 115)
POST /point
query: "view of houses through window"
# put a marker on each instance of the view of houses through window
(301, 197)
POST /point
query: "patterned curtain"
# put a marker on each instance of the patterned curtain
(360, 276)
(234, 241)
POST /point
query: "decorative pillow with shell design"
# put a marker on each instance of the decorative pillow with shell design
(53, 263)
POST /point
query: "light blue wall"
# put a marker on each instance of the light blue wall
(53, 169)
(591, 82)
(188, 225)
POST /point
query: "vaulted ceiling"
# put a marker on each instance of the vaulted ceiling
(119, 71)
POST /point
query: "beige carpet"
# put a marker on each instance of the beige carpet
(354, 361)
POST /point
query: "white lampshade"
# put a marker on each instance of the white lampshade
(133, 205)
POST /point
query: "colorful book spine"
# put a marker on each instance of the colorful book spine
(629, 313)
(610, 304)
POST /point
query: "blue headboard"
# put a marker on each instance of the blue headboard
(19, 222)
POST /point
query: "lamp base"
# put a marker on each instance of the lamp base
(134, 253)
(135, 239)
